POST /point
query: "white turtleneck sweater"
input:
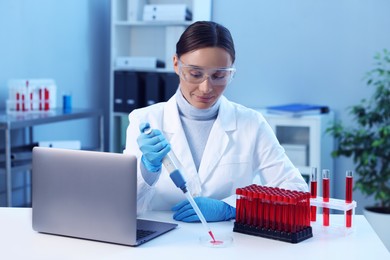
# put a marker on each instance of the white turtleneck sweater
(197, 124)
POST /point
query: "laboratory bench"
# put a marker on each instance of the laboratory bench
(27, 121)
(19, 241)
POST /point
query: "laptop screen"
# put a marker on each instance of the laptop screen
(85, 194)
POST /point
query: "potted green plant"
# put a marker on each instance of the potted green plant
(367, 141)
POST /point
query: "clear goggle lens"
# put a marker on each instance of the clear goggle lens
(197, 75)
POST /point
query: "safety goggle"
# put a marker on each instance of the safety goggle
(196, 75)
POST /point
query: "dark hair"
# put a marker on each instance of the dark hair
(205, 34)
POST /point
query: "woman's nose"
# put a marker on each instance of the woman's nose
(205, 86)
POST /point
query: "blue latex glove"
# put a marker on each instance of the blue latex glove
(154, 147)
(213, 210)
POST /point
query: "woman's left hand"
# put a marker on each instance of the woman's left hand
(213, 210)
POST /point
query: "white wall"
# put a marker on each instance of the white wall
(312, 51)
(64, 40)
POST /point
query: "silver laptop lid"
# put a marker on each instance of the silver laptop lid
(85, 194)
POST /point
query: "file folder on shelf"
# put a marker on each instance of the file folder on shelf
(135, 89)
(127, 95)
(153, 88)
(133, 95)
(171, 83)
(119, 91)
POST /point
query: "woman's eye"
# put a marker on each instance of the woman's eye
(219, 75)
(196, 74)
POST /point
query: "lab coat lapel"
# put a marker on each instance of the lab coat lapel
(218, 140)
(174, 132)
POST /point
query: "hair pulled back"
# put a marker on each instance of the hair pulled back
(204, 34)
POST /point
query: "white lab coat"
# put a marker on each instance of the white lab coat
(240, 146)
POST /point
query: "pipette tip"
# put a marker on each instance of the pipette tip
(212, 235)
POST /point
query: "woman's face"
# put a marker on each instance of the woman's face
(207, 64)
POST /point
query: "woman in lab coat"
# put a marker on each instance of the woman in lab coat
(221, 145)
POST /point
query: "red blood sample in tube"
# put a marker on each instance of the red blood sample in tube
(313, 193)
(249, 201)
(348, 197)
(325, 196)
(285, 213)
(266, 209)
(243, 205)
(46, 99)
(278, 212)
(272, 210)
(238, 205)
(23, 103)
(255, 206)
(17, 101)
(298, 211)
(260, 209)
(31, 101)
(307, 209)
(292, 225)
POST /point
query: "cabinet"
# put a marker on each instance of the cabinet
(131, 36)
(306, 142)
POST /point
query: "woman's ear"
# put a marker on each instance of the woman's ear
(176, 64)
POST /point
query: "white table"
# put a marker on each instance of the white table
(19, 241)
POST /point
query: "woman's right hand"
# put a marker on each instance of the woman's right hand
(154, 148)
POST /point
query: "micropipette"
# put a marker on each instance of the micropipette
(171, 164)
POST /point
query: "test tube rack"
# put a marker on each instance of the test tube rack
(31, 96)
(273, 213)
(335, 204)
(348, 205)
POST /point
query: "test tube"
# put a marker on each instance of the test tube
(260, 209)
(266, 209)
(313, 193)
(238, 205)
(47, 102)
(17, 101)
(348, 196)
(278, 211)
(286, 213)
(325, 195)
(249, 215)
(293, 222)
(23, 103)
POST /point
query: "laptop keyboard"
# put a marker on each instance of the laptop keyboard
(143, 233)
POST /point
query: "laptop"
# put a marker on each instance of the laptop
(90, 195)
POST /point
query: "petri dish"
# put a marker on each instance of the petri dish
(220, 241)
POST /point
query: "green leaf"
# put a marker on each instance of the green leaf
(367, 140)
